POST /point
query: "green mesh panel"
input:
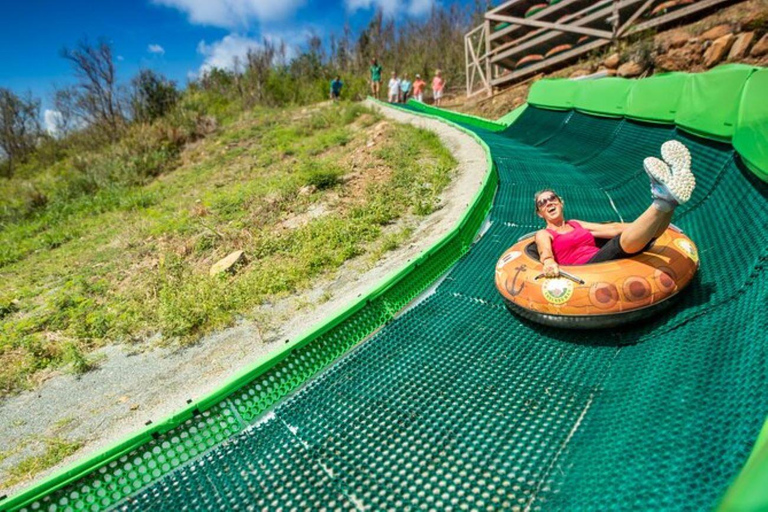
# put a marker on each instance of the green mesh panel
(458, 402)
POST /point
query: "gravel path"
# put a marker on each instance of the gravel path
(127, 389)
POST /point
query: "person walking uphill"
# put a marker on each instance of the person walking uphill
(336, 85)
(375, 78)
(438, 85)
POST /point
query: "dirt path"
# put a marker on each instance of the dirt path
(127, 389)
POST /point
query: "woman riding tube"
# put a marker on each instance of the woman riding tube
(572, 242)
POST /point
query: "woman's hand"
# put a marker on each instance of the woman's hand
(551, 269)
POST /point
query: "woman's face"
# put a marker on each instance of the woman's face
(549, 206)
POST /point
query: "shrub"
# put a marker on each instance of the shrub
(322, 175)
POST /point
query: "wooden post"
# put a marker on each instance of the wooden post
(487, 57)
(466, 60)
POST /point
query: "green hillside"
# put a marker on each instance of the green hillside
(119, 243)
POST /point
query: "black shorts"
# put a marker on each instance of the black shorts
(612, 251)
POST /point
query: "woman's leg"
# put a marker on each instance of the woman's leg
(669, 188)
(651, 224)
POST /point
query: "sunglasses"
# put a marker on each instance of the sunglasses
(552, 198)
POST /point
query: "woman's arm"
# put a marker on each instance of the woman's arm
(606, 230)
(546, 256)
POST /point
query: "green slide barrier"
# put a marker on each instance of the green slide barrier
(748, 491)
(456, 402)
(751, 132)
(709, 104)
(606, 96)
(554, 93)
(457, 117)
(510, 117)
(656, 99)
(468, 119)
(724, 104)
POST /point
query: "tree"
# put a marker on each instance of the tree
(153, 96)
(259, 62)
(217, 80)
(98, 99)
(19, 127)
(67, 117)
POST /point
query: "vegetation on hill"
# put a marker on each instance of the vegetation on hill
(108, 226)
(127, 256)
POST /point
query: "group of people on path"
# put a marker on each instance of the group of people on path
(400, 88)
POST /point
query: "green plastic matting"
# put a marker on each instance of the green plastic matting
(458, 404)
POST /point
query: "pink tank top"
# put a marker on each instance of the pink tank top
(575, 247)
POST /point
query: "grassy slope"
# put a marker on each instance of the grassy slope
(299, 190)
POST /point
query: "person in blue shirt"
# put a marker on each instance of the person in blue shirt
(336, 85)
(405, 88)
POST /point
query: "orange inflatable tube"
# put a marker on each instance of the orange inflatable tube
(597, 295)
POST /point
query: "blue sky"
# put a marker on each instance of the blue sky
(175, 37)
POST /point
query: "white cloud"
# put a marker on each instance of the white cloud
(293, 39)
(392, 7)
(52, 120)
(156, 48)
(420, 7)
(120, 58)
(233, 13)
(388, 7)
(221, 54)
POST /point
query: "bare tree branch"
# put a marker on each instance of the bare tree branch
(19, 127)
(98, 97)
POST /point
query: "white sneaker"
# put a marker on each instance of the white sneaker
(683, 182)
(676, 155)
(660, 176)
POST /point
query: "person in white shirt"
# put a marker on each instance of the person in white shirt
(394, 88)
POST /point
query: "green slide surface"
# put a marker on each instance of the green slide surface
(456, 403)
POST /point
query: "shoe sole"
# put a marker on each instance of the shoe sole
(657, 170)
(676, 155)
(683, 182)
